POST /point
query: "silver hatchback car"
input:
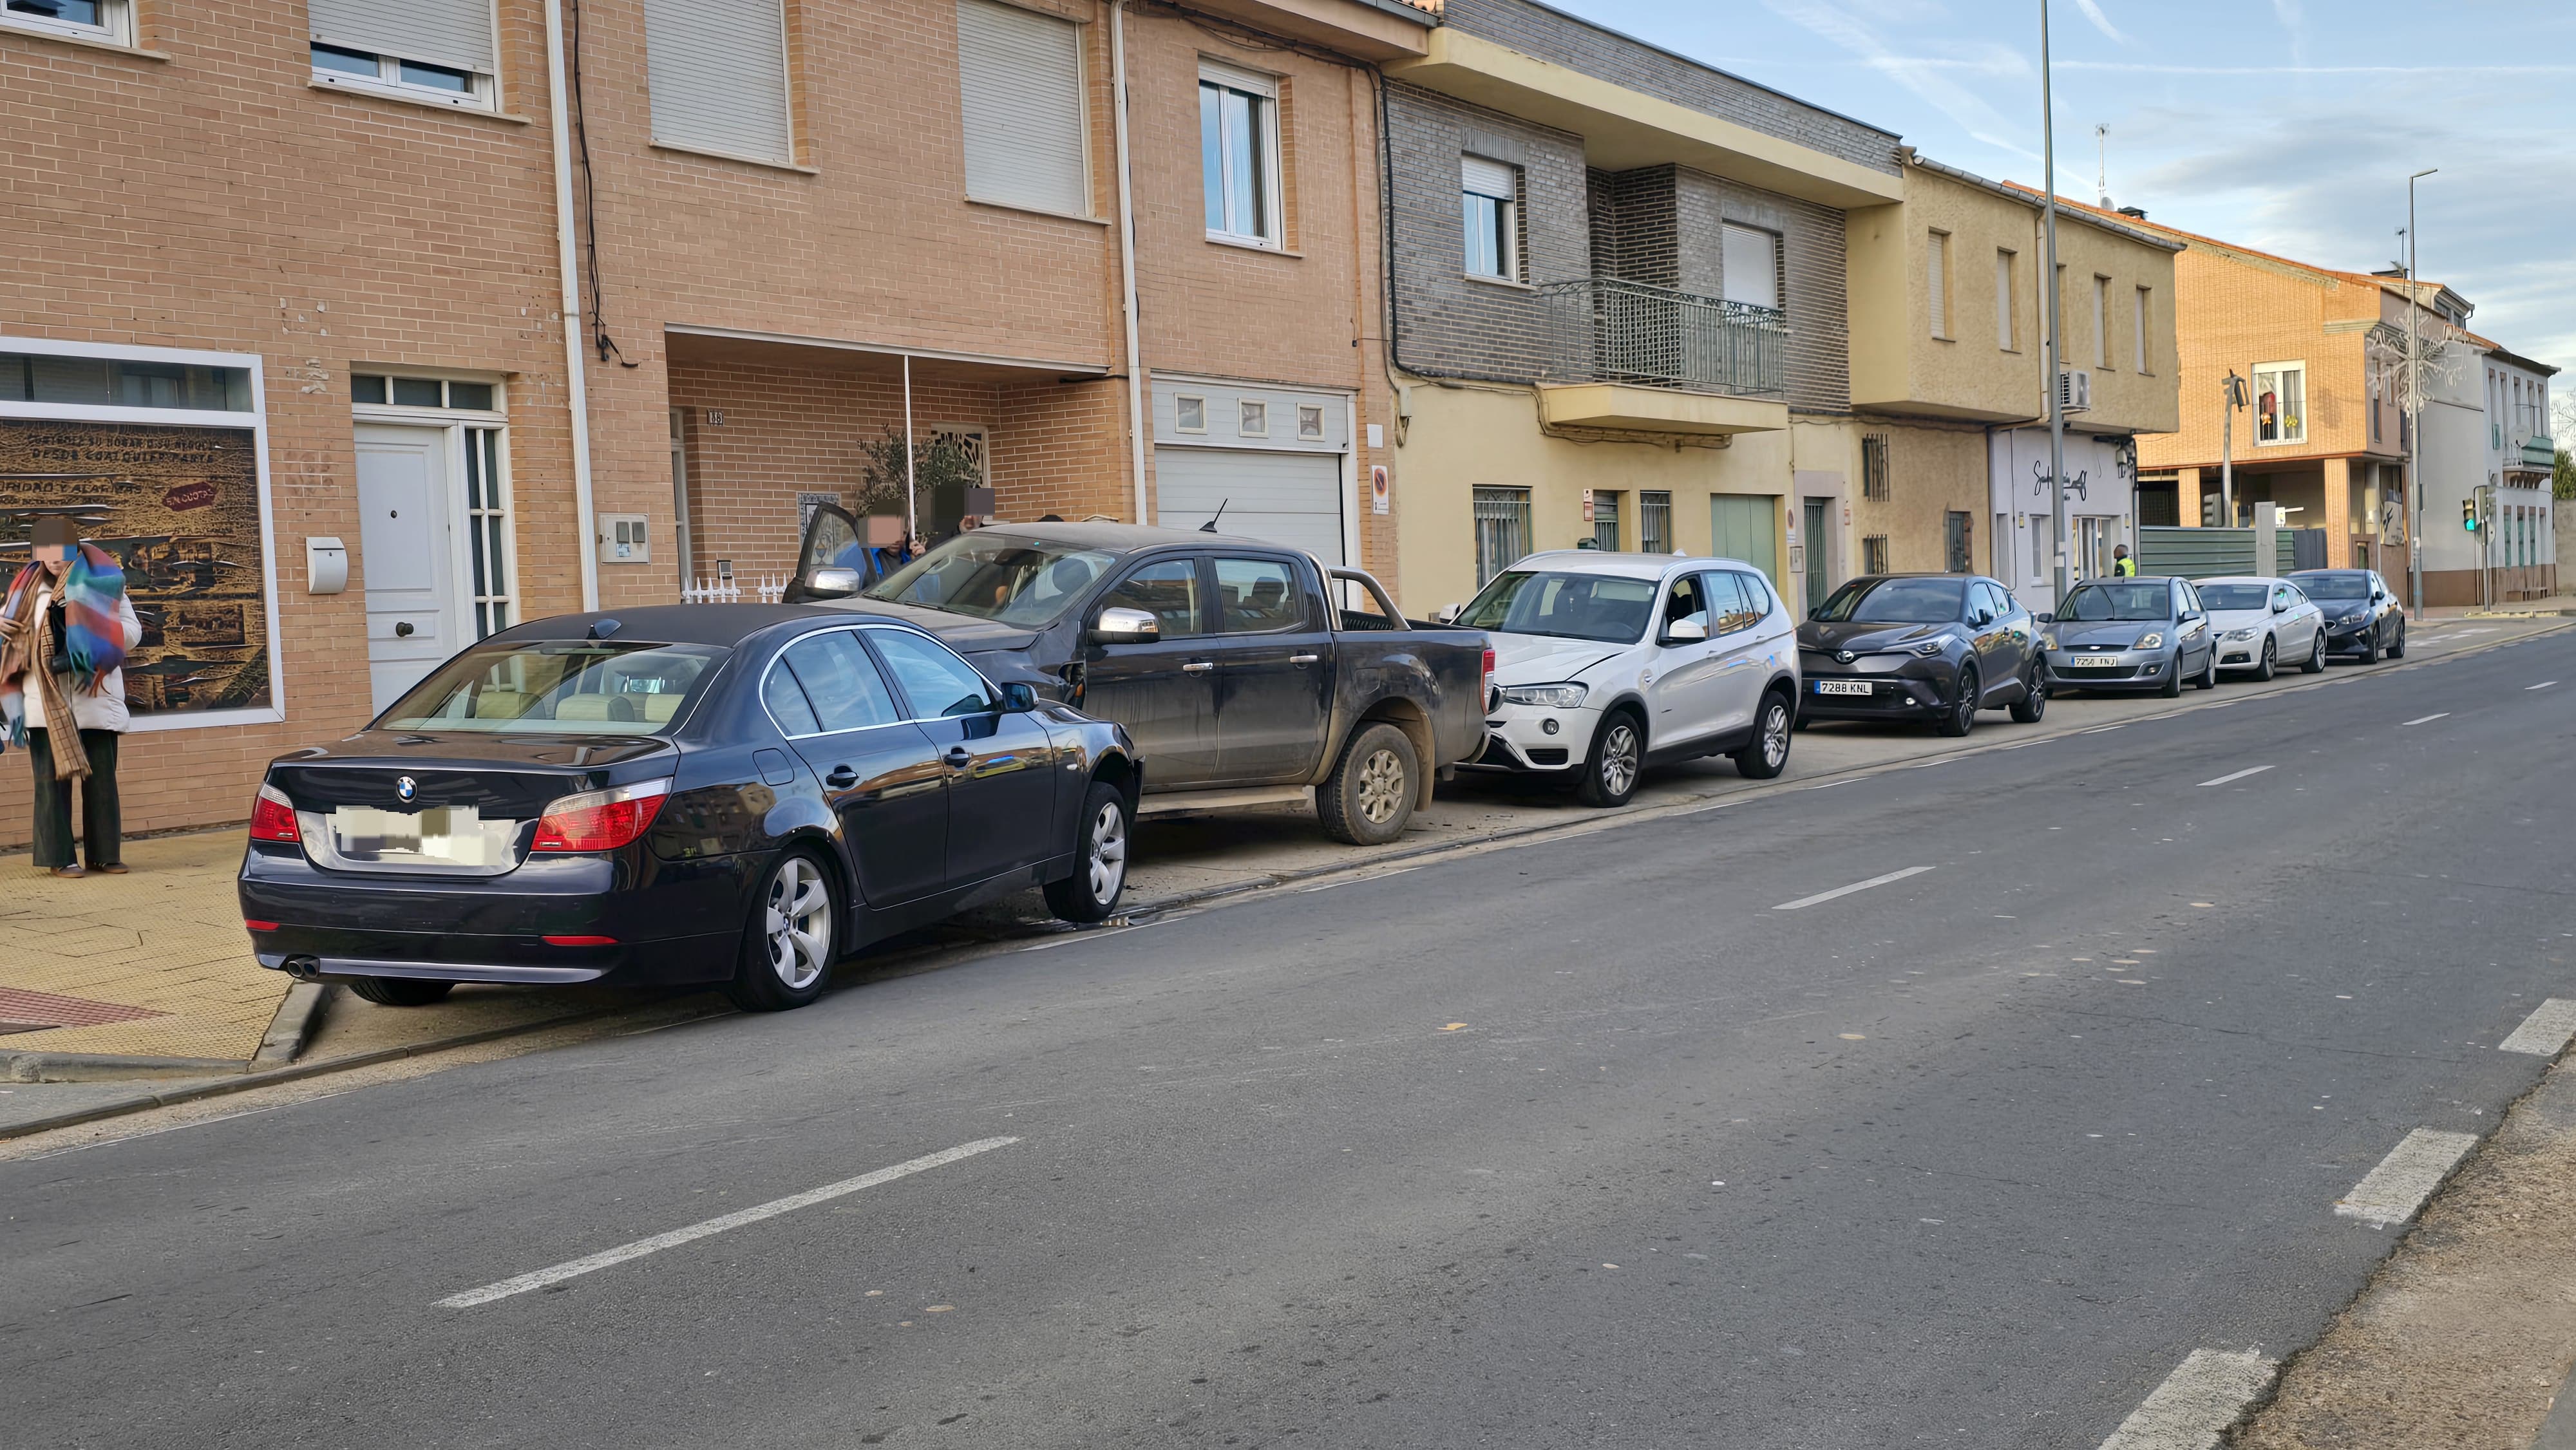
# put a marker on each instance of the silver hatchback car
(2146, 633)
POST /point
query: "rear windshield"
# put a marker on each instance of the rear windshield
(998, 576)
(2092, 603)
(2334, 584)
(2235, 596)
(1564, 606)
(1895, 601)
(557, 687)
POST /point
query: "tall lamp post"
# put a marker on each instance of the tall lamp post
(2414, 414)
(2232, 397)
(2056, 387)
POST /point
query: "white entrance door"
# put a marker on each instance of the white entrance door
(405, 553)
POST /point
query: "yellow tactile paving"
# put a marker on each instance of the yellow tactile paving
(166, 937)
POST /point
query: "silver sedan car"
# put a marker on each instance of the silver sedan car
(2144, 633)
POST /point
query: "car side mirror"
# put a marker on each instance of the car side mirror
(1126, 626)
(1018, 699)
(2045, 617)
(1448, 613)
(2280, 607)
(832, 583)
(1685, 631)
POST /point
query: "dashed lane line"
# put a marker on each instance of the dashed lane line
(2390, 1194)
(678, 1236)
(2425, 719)
(2199, 1400)
(1824, 896)
(2545, 1031)
(2240, 775)
(2543, 685)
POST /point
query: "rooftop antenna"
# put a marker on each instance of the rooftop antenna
(2101, 166)
(1210, 526)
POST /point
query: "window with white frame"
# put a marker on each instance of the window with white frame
(1937, 274)
(1489, 201)
(2280, 403)
(2006, 337)
(1189, 414)
(487, 527)
(1749, 265)
(109, 20)
(1019, 79)
(439, 51)
(1239, 155)
(1252, 419)
(1310, 422)
(717, 74)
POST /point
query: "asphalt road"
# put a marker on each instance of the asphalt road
(1569, 1143)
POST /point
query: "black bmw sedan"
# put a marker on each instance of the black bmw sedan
(1931, 647)
(735, 795)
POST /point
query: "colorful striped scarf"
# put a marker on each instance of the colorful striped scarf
(93, 638)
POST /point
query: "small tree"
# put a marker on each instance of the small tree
(942, 462)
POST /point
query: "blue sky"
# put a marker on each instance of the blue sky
(2288, 125)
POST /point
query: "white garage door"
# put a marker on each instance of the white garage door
(1281, 498)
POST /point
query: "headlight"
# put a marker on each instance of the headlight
(2352, 618)
(1928, 648)
(2048, 642)
(1554, 697)
(2149, 641)
(2240, 634)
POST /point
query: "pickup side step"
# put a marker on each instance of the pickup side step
(1226, 800)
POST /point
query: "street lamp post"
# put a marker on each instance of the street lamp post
(2232, 396)
(2056, 387)
(2414, 413)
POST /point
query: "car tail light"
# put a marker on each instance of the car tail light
(259, 925)
(272, 817)
(600, 820)
(581, 941)
(1487, 677)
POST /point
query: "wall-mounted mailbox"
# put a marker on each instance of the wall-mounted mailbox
(326, 565)
(622, 539)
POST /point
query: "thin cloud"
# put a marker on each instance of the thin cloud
(2093, 11)
(1963, 106)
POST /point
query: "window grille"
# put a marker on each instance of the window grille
(1502, 530)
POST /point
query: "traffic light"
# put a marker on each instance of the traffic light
(2469, 514)
(2209, 515)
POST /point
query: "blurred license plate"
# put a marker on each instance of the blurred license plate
(1842, 687)
(2092, 662)
(450, 835)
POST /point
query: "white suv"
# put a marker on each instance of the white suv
(1604, 663)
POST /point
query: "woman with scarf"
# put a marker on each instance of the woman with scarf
(64, 631)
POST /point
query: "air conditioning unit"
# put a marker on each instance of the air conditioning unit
(2075, 390)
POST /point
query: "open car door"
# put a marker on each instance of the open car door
(832, 540)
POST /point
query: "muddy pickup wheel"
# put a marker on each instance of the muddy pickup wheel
(1368, 799)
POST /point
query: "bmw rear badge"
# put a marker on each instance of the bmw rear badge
(404, 788)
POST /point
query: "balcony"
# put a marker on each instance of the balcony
(1628, 357)
(2539, 453)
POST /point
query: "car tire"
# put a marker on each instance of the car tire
(788, 936)
(2208, 673)
(1615, 761)
(2033, 703)
(2171, 688)
(1099, 860)
(2315, 663)
(1767, 753)
(1961, 716)
(399, 991)
(2397, 651)
(2271, 663)
(1368, 799)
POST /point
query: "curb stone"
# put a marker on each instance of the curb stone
(297, 1017)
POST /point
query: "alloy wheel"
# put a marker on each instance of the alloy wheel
(1108, 852)
(1618, 763)
(1775, 733)
(1382, 786)
(799, 923)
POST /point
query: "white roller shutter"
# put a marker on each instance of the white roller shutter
(455, 33)
(718, 69)
(1281, 498)
(1019, 75)
(1488, 178)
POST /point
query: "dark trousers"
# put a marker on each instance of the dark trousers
(102, 824)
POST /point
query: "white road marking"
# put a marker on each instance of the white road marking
(2201, 1398)
(1094, 934)
(1825, 896)
(2425, 719)
(2390, 1193)
(772, 1209)
(2240, 775)
(2543, 685)
(1354, 881)
(2545, 1031)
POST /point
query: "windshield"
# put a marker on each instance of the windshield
(2334, 584)
(2093, 603)
(2235, 596)
(1895, 601)
(997, 576)
(557, 687)
(1566, 606)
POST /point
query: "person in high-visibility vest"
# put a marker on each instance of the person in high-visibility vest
(2122, 566)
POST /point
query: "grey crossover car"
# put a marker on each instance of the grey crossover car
(2146, 633)
(1931, 647)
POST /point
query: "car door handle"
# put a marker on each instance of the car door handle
(1198, 667)
(841, 778)
(1303, 659)
(960, 757)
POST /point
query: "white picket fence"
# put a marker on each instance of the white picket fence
(767, 589)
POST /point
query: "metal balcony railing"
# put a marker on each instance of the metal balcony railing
(1608, 330)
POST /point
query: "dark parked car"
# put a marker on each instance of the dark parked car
(2144, 633)
(2363, 616)
(1245, 672)
(728, 794)
(1930, 647)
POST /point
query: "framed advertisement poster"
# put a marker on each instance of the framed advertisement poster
(161, 464)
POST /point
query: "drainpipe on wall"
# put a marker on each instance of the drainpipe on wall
(1127, 252)
(575, 386)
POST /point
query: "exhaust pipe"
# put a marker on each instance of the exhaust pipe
(304, 969)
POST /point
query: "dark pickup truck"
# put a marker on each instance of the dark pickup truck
(1240, 677)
